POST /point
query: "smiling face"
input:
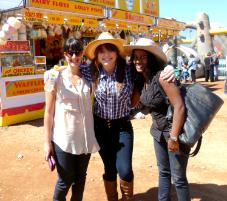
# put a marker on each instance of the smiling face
(140, 60)
(107, 55)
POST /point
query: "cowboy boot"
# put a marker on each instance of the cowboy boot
(126, 190)
(111, 190)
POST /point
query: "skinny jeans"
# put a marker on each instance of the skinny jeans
(72, 171)
(115, 138)
(172, 166)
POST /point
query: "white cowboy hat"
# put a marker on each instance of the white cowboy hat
(148, 45)
(104, 38)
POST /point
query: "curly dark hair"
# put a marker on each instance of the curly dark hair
(154, 66)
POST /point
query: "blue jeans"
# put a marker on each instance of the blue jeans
(115, 138)
(72, 171)
(172, 166)
(225, 87)
(216, 72)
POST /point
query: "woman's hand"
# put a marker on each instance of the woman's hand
(168, 74)
(48, 150)
(173, 146)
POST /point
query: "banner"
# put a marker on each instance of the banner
(33, 16)
(55, 19)
(173, 24)
(129, 5)
(15, 46)
(23, 87)
(17, 71)
(90, 23)
(72, 20)
(67, 5)
(150, 7)
(123, 26)
(110, 24)
(108, 3)
(133, 27)
(129, 16)
(40, 59)
(143, 29)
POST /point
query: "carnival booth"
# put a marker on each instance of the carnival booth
(32, 38)
(22, 97)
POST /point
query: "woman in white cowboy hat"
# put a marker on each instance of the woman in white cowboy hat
(112, 86)
(147, 59)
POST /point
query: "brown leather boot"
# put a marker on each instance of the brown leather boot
(126, 190)
(111, 190)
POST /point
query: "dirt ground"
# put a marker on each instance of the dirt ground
(24, 175)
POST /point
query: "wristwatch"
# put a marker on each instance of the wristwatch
(173, 138)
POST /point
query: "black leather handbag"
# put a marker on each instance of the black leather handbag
(201, 106)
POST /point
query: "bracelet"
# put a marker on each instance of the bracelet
(173, 138)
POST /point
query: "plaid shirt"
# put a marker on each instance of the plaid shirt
(109, 104)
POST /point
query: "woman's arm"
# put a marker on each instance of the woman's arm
(174, 96)
(50, 98)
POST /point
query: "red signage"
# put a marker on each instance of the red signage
(15, 47)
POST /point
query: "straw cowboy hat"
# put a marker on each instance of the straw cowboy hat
(148, 45)
(103, 38)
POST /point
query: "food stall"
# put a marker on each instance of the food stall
(21, 95)
(32, 41)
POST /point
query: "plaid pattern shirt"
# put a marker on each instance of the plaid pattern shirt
(109, 104)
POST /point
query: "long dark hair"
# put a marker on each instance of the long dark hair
(95, 66)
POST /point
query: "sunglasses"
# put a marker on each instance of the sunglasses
(71, 53)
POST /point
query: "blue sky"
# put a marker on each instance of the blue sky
(187, 10)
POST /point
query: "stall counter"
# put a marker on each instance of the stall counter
(22, 99)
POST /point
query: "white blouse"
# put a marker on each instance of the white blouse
(73, 129)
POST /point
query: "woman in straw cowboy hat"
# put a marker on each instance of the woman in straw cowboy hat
(112, 87)
(148, 60)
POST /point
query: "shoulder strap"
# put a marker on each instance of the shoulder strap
(196, 150)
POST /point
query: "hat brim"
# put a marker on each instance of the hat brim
(155, 50)
(91, 47)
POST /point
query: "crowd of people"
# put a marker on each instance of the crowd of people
(88, 110)
(187, 67)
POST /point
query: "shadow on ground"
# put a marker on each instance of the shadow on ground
(36, 123)
(199, 192)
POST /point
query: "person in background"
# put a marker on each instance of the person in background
(192, 67)
(180, 65)
(148, 61)
(225, 87)
(216, 65)
(68, 123)
(113, 96)
(209, 68)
